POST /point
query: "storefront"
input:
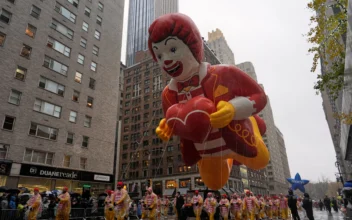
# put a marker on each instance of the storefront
(49, 178)
(5, 168)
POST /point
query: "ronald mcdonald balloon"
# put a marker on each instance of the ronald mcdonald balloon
(213, 109)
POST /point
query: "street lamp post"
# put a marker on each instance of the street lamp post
(337, 164)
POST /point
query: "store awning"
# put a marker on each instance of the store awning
(183, 191)
(169, 192)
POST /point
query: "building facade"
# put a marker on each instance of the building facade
(143, 156)
(284, 158)
(218, 44)
(141, 15)
(59, 64)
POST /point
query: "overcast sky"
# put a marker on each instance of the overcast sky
(270, 35)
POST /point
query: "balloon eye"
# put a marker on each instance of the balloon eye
(173, 49)
(159, 56)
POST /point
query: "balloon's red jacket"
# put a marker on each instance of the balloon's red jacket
(223, 83)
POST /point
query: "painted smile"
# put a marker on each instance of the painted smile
(175, 70)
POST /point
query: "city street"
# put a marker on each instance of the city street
(323, 215)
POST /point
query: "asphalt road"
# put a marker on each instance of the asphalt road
(323, 215)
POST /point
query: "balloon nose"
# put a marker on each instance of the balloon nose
(168, 62)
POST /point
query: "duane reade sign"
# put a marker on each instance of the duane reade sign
(71, 175)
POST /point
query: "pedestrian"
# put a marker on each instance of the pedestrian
(179, 203)
(334, 204)
(308, 206)
(327, 204)
(321, 205)
(292, 204)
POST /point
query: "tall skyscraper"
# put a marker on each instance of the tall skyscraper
(217, 42)
(59, 101)
(141, 15)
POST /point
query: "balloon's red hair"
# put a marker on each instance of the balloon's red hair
(180, 26)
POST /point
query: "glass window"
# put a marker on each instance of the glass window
(97, 35)
(87, 121)
(2, 39)
(51, 86)
(75, 96)
(26, 51)
(74, 2)
(87, 11)
(95, 50)
(83, 42)
(92, 83)
(31, 30)
(80, 59)
(85, 141)
(90, 101)
(185, 183)
(93, 66)
(47, 108)
(15, 97)
(3, 150)
(29, 183)
(99, 20)
(55, 65)
(67, 161)
(70, 137)
(83, 163)
(59, 47)
(35, 12)
(85, 26)
(5, 16)
(9, 123)
(73, 116)
(62, 29)
(65, 12)
(35, 156)
(100, 6)
(78, 77)
(20, 73)
(43, 131)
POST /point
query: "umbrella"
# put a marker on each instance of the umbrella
(13, 191)
(3, 188)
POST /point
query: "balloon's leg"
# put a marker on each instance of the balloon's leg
(215, 171)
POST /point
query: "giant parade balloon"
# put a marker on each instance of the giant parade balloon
(298, 183)
(212, 108)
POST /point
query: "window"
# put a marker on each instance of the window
(62, 29)
(95, 50)
(2, 39)
(73, 117)
(55, 65)
(99, 20)
(47, 108)
(75, 96)
(100, 6)
(9, 123)
(87, 121)
(15, 97)
(43, 131)
(35, 156)
(93, 66)
(85, 141)
(67, 160)
(74, 2)
(80, 59)
(26, 51)
(51, 86)
(87, 11)
(3, 151)
(170, 148)
(85, 26)
(90, 101)
(5, 16)
(65, 12)
(78, 77)
(59, 47)
(92, 83)
(70, 137)
(169, 170)
(20, 73)
(31, 30)
(97, 35)
(83, 163)
(35, 12)
(83, 42)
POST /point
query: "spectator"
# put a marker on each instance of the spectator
(308, 206)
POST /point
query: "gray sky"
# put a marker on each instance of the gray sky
(269, 34)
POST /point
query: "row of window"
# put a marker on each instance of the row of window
(155, 172)
(43, 131)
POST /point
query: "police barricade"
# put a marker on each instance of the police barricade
(94, 213)
(11, 214)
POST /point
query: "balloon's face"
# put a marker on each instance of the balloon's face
(175, 58)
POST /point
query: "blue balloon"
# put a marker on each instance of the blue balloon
(298, 183)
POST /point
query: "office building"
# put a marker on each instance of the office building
(218, 44)
(59, 64)
(140, 16)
